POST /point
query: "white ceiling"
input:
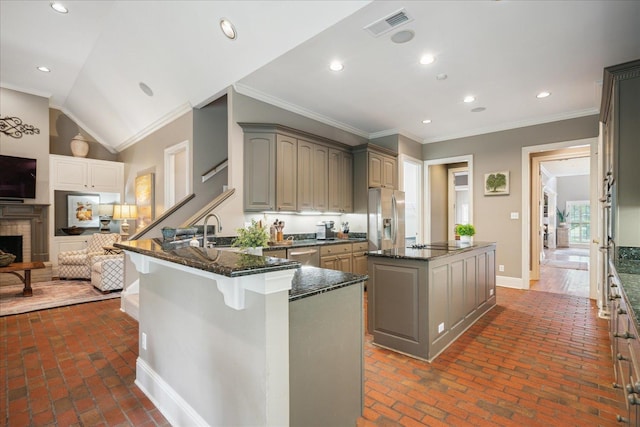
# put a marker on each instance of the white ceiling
(502, 52)
(567, 167)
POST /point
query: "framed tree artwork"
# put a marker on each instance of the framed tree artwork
(496, 183)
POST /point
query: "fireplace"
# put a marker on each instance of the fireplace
(31, 222)
(12, 245)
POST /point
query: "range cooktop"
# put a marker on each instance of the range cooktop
(441, 246)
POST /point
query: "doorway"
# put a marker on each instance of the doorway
(559, 256)
(177, 173)
(458, 203)
(436, 201)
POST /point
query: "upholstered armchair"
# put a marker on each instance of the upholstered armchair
(107, 272)
(77, 264)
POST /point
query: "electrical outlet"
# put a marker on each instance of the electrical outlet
(501, 267)
(143, 341)
(441, 328)
(515, 215)
(490, 292)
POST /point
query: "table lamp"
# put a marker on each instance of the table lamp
(105, 212)
(125, 212)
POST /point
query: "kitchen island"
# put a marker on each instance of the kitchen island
(422, 300)
(234, 339)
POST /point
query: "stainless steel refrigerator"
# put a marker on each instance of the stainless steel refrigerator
(385, 219)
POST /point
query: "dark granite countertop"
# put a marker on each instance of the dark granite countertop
(629, 274)
(309, 281)
(223, 262)
(435, 250)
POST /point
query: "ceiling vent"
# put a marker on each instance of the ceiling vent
(388, 23)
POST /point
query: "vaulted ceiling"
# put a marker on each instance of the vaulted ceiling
(502, 52)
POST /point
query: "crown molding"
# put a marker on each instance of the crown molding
(515, 125)
(154, 126)
(269, 99)
(41, 94)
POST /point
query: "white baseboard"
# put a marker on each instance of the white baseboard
(174, 408)
(510, 282)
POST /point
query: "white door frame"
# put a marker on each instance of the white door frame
(526, 196)
(169, 172)
(427, 199)
(402, 158)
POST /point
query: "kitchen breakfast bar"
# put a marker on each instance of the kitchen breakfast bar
(421, 299)
(228, 338)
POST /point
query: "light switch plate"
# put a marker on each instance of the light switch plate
(515, 215)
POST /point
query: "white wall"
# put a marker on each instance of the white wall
(572, 189)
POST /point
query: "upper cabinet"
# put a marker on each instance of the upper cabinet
(383, 171)
(619, 114)
(80, 174)
(289, 170)
(373, 167)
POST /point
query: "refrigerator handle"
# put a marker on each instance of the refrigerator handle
(394, 225)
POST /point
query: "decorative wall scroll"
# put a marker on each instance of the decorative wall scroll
(496, 183)
(13, 127)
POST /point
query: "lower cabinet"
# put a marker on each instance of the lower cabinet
(336, 257)
(420, 307)
(625, 349)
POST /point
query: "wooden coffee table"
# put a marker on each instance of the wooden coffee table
(26, 267)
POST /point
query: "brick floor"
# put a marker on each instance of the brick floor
(72, 366)
(537, 359)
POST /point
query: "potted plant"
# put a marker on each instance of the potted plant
(465, 231)
(562, 217)
(252, 239)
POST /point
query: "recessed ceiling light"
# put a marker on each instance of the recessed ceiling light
(478, 109)
(44, 69)
(543, 95)
(426, 121)
(469, 99)
(427, 59)
(402, 36)
(228, 29)
(58, 7)
(146, 89)
(441, 76)
(336, 66)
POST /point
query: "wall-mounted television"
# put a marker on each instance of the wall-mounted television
(17, 178)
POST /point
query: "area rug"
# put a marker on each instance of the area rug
(57, 293)
(573, 265)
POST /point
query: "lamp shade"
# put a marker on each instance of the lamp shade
(105, 210)
(125, 212)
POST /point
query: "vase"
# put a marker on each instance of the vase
(253, 251)
(465, 239)
(79, 146)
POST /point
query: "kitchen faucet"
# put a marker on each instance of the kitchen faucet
(205, 243)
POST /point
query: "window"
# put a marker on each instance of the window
(579, 222)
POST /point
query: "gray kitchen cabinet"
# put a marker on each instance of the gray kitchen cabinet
(320, 178)
(340, 181)
(383, 171)
(291, 170)
(359, 258)
(336, 257)
(286, 173)
(277, 253)
(419, 306)
(305, 175)
(260, 172)
(313, 167)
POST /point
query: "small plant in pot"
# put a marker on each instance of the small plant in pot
(252, 239)
(465, 231)
(562, 217)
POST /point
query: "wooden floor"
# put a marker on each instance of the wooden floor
(564, 273)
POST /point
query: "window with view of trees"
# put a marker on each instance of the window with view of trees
(579, 221)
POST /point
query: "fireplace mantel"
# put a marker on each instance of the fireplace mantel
(37, 217)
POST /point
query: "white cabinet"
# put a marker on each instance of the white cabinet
(80, 174)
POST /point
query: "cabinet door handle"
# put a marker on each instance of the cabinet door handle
(633, 399)
(621, 419)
